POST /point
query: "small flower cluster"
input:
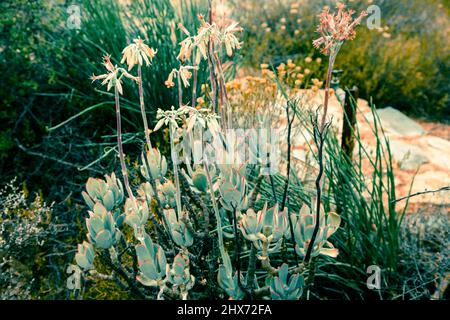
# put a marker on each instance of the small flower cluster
(219, 36)
(137, 52)
(183, 72)
(113, 78)
(336, 28)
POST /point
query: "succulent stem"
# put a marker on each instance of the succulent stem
(216, 211)
(332, 59)
(175, 170)
(119, 145)
(144, 116)
(194, 87)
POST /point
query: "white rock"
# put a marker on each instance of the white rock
(437, 151)
(408, 156)
(397, 123)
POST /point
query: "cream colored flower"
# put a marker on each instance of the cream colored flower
(169, 82)
(229, 38)
(183, 72)
(185, 75)
(137, 53)
(113, 78)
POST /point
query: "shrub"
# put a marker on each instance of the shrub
(403, 64)
(25, 232)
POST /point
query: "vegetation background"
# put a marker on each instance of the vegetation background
(56, 130)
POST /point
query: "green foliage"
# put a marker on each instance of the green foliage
(304, 226)
(26, 234)
(101, 227)
(152, 262)
(108, 192)
(185, 224)
(283, 289)
(85, 255)
(413, 76)
(403, 64)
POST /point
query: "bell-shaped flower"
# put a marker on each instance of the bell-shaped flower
(113, 78)
(136, 53)
(336, 28)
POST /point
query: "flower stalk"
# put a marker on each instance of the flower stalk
(120, 146)
(334, 29)
(143, 113)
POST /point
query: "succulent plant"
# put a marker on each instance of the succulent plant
(282, 288)
(196, 178)
(251, 224)
(145, 192)
(152, 263)
(179, 275)
(233, 189)
(101, 227)
(216, 176)
(136, 212)
(228, 280)
(178, 229)
(268, 225)
(304, 225)
(156, 162)
(85, 255)
(227, 222)
(167, 194)
(109, 192)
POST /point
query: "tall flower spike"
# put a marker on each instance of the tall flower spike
(137, 53)
(336, 28)
(113, 78)
(184, 73)
(229, 38)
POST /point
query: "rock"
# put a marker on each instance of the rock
(397, 123)
(431, 180)
(437, 150)
(438, 143)
(408, 156)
